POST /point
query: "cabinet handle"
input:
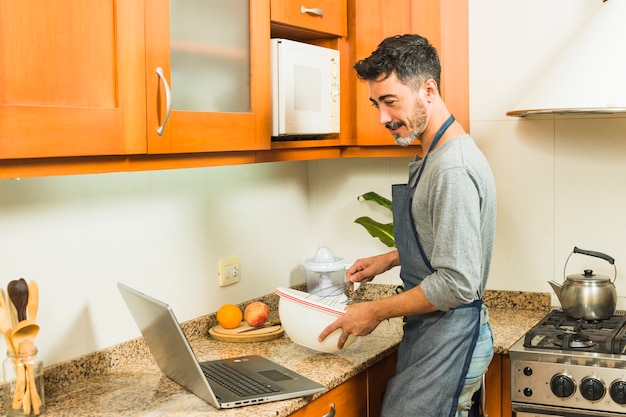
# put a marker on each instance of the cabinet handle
(168, 101)
(316, 11)
(331, 413)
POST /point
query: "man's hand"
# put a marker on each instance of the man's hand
(359, 320)
(364, 270)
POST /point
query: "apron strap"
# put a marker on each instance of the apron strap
(434, 143)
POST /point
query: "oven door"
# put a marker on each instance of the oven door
(527, 410)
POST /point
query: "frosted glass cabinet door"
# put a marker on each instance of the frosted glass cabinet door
(210, 55)
(207, 71)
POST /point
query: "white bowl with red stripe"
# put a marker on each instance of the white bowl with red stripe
(304, 316)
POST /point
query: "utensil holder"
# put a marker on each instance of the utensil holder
(22, 384)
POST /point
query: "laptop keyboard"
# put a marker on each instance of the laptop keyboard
(234, 380)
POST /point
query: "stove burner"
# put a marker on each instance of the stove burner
(573, 340)
(557, 331)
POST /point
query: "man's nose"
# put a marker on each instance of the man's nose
(383, 116)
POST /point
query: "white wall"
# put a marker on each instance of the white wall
(163, 232)
(560, 179)
(334, 205)
(560, 184)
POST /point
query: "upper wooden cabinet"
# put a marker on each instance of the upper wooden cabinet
(123, 85)
(81, 77)
(214, 59)
(323, 16)
(72, 78)
(443, 22)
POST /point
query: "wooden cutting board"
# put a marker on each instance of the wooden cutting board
(234, 335)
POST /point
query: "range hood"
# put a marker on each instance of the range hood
(589, 76)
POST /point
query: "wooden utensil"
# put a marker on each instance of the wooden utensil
(24, 330)
(28, 345)
(23, 336)
(20, 388)
(33, 300)
(18, 293)
(31, 396)
(20, 377)
(26, 400)
(5, 323)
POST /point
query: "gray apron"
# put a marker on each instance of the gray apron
(436, 349)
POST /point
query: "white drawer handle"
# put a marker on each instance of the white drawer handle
(331, 413)
(316, 11)
(168, 101)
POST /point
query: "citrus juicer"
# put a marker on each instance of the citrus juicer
(325, 274)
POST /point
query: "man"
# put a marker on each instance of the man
(444, 221)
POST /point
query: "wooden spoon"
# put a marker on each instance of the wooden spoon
(23, 336)
(33, 300)
(24, 330)
(18, 293)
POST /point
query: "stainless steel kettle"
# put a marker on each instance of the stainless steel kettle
(587, 296)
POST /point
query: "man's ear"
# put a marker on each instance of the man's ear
(431, 88)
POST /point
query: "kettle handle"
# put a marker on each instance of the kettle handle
(604, 256)
(601, 255)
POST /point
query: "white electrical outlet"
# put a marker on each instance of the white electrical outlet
(229, 271)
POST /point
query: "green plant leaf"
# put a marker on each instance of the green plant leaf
(377, 198)
(384, 232)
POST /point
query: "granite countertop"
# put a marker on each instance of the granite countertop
(125, 381)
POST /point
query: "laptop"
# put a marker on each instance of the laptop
(224, 383)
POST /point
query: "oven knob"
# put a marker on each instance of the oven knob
(562, 386)
(618, 392)
(592, 389)
(528, 392)
(528, 371)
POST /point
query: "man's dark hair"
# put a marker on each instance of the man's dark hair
(411, 57)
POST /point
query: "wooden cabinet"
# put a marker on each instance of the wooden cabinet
(327, 17)
(79, 78)
(83, 83)
(498, 387)
(443, 22)
(378, 375)
(360, 396)
(72, 78)
(505, 383)
(348, 400)
(200, 37)
(368, 390)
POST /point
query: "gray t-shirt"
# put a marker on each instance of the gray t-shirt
(454, 207)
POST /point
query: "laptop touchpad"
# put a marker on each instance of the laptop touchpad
(275, 375)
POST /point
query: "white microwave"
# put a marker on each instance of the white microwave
(305, 89)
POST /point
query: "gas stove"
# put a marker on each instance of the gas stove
(568, 367)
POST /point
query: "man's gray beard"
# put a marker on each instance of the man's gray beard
(405, 141)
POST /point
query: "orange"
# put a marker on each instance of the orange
(229, 316)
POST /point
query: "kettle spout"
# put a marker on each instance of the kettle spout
(557, 288)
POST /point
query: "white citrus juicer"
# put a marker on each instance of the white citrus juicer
(325, 273)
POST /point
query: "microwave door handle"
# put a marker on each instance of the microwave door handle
(315, 10)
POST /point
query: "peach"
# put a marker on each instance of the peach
(256, 313)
